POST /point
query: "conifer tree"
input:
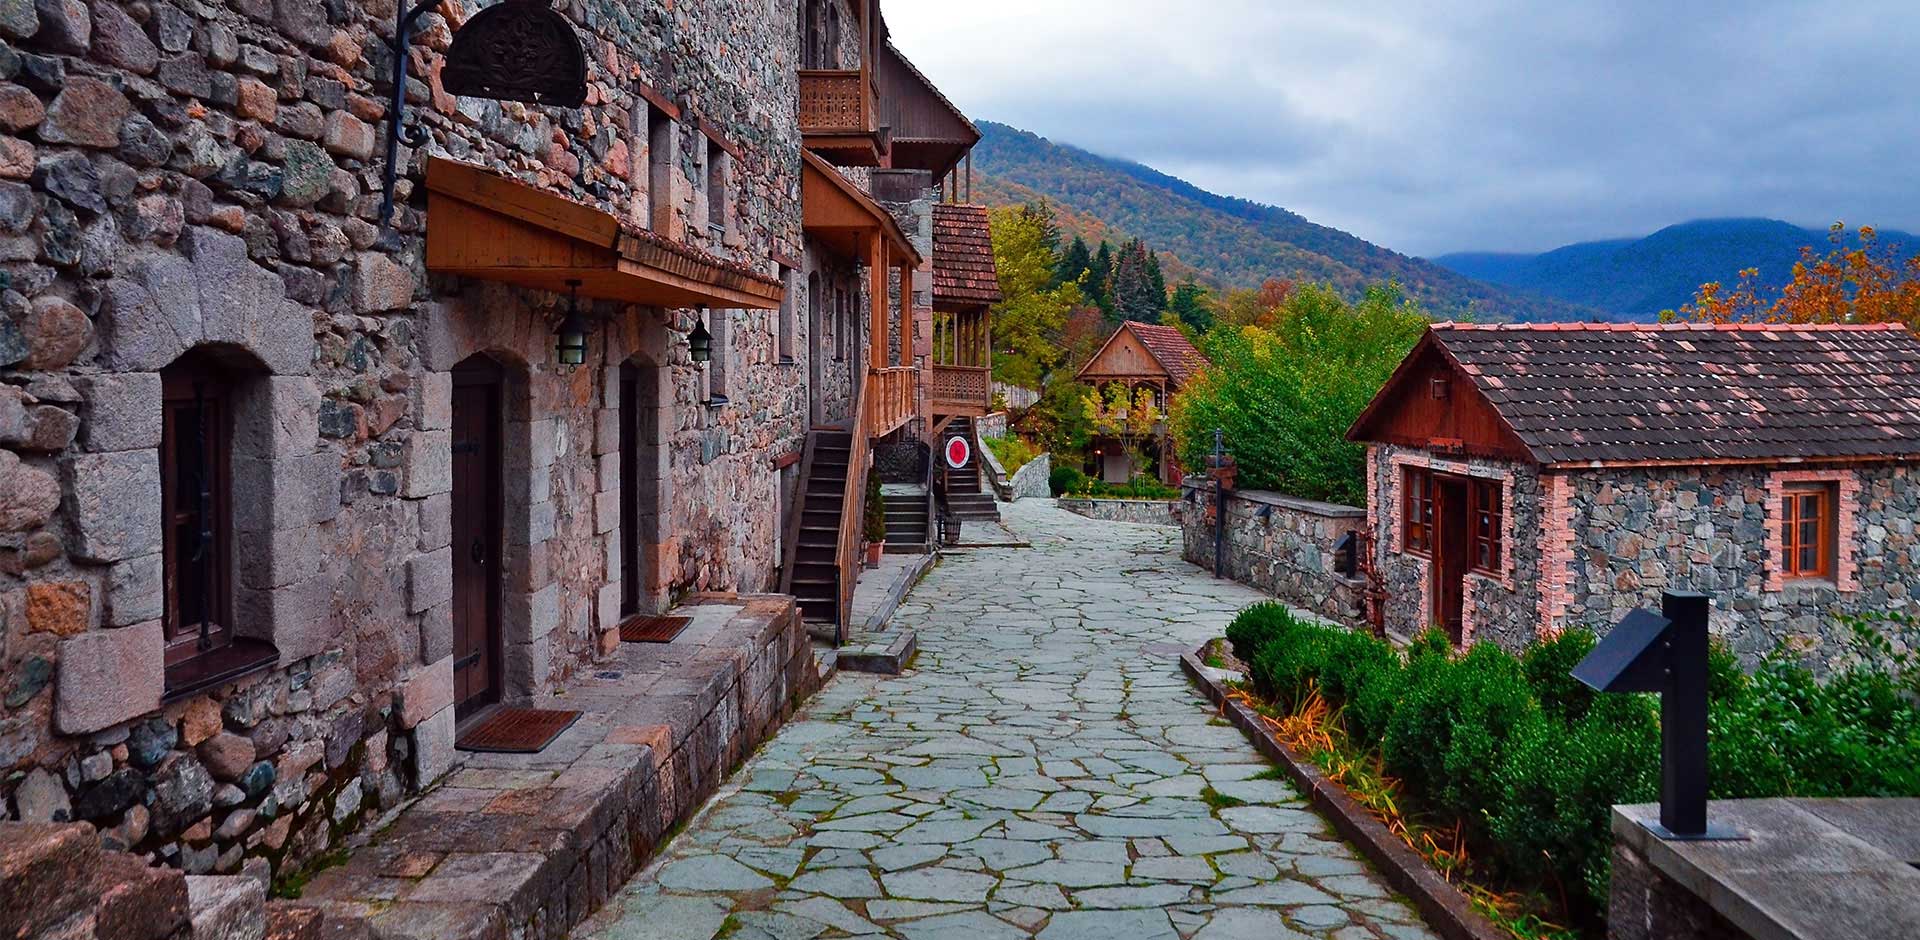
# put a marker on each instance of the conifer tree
(1073, 262)
(1158, 279)
(1191, 304)
(1099, 274)
(1131, 286)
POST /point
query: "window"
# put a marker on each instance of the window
(659, 169)
(1416, 511)
(1807, 532)
(195, 445)
(842, 330)
(716, 189)
(786, 325)
(1485, 513)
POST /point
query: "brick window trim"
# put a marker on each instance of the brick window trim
(1396, 477)
(1846, 485)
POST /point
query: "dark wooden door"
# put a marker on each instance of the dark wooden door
(629, 490)
(1452, 552)
(476, 536)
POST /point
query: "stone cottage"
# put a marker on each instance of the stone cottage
(291, 490)
(1522, 479)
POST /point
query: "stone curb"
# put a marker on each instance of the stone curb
(1444, 906)
(891, 659)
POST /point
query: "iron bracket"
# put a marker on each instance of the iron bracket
(397, 126)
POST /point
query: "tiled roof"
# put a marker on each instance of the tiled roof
(1697, 392)
(963, 271)
(1171, 348)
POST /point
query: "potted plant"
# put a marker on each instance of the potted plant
(876, 521)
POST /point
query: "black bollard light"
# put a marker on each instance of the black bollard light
(1666, 653)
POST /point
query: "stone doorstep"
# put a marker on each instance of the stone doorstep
(511, 841)
(888, 657)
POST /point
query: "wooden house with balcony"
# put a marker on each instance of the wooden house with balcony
(1139, 356)
(879, 375)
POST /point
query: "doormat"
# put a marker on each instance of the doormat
(652, 629)
(516, 731)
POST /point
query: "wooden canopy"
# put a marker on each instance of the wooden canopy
(484, 225)
(836, 212)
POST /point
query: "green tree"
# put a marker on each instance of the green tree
(1029, 320)
(1099, 276)
(1193, 305)
(1073, 262)
(1132, 289)
(1157, 278)
(1125, 416)
(1286, 393)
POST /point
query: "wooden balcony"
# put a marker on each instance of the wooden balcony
(838, 116)
(965, 391)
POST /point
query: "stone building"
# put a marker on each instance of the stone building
(1523, 479)
(1139, 356)
(290, 493)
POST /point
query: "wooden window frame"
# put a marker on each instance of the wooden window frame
(1486, 514)
(1416, 511)
(1794, 524)
(178, 394)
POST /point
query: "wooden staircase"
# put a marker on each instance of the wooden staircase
(813, 569)
(965, 493)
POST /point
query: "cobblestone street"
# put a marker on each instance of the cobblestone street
(1044, 770)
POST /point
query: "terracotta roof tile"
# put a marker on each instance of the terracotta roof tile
(1582, 392)
(963, 271)
(1171, 348)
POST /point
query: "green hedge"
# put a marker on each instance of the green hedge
(1528, 762)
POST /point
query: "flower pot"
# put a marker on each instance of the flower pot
(874, 549)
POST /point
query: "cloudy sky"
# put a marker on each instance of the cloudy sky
(1450, 125)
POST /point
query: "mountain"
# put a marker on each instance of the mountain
(1640, 277)
(1224, 241)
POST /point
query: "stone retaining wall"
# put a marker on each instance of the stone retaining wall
(1030, 481)
(1139, 511)
(993, 425)
(1280, 544)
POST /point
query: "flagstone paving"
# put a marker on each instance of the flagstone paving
(1044, 771)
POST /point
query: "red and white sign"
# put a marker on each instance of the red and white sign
(957, 452)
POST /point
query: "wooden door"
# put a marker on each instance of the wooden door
(476, 536)
(1452, 552)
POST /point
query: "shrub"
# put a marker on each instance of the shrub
(1063, 480)
(1548, 666)
(1529, 762)
(1012, 452)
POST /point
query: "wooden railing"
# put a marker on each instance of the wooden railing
(892, 391)
(960, 389)
(835, 101)
(853, 502)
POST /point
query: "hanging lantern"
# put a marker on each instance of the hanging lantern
(572, 332)
(700, 342)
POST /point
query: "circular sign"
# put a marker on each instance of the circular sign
(958, 452)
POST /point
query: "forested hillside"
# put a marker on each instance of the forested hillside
(1224, 242)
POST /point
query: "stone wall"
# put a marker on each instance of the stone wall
(1634, 533)
(1139, 511)
(1030, 481)
(198, 176)
(1280, 544)
(992, 425)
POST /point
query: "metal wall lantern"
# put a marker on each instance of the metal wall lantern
(571, 334)
(1666, 653)
(699, 341)
(515, 50)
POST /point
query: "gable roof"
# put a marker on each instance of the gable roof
(963, 271)
(1167, 345)
(1701, 393)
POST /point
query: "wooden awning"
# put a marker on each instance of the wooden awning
(839, 214)
(484, 225)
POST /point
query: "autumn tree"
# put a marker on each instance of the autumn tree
(1861, 282)
(1029, 320)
